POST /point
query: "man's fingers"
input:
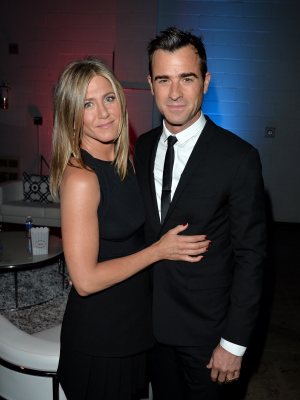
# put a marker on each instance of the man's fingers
(214, 374)
(232, 377)
(221, 378)
(209, 365)
(236, 374)
(229, 376)
(218, 376)
(225, 366)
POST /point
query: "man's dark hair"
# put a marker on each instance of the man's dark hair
(173, 39)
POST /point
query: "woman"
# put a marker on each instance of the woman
(107, 324)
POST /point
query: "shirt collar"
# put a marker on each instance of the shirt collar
(183, 136)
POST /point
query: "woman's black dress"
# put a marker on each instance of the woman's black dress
(104, 335)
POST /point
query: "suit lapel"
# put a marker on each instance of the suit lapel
(151, 177)
(197, 159)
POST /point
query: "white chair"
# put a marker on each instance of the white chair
(28, 363)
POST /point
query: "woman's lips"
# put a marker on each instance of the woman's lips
(106, 125)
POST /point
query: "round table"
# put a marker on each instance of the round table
(15, 255)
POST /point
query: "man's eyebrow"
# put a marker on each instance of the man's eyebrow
(188, 74)
(183, 75)
(161, 77)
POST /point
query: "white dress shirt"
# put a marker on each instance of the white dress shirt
(183, 148)
(186, 141)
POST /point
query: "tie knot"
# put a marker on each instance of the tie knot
(171, 140)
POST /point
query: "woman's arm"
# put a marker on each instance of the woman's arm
(80, 197)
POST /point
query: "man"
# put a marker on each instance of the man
(203, 314)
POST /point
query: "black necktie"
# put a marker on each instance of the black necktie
(167, 177)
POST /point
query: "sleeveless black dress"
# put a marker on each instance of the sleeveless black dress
(104, 335)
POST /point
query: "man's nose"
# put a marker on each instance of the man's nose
(175, 91)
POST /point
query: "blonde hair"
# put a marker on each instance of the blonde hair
(69, 98)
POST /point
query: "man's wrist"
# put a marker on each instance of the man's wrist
(233, 348)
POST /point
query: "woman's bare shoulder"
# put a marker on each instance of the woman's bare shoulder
(76, 178)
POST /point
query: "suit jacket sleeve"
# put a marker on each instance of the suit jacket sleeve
(248, 238)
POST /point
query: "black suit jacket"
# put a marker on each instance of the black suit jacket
(220, 194)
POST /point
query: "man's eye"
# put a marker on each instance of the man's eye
(188, 79)
(162, 81)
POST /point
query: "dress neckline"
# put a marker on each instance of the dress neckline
(96, 159)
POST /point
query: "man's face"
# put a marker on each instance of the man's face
(178, 86)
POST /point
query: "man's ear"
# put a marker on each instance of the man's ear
(150, 83)
(206, 82)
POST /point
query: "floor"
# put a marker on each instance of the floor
(271, 367)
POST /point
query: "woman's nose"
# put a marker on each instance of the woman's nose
(102, 111)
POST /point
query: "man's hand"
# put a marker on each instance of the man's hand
(225, 366)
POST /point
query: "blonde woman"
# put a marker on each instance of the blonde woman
(107, 323)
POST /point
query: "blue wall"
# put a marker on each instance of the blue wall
(254, 56)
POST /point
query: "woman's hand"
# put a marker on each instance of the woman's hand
(173, 246)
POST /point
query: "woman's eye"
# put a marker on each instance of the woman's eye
(110, 99)
(88, 104)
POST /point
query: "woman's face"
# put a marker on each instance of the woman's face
(102, 113)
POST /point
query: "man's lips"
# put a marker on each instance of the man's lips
(176, 106)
